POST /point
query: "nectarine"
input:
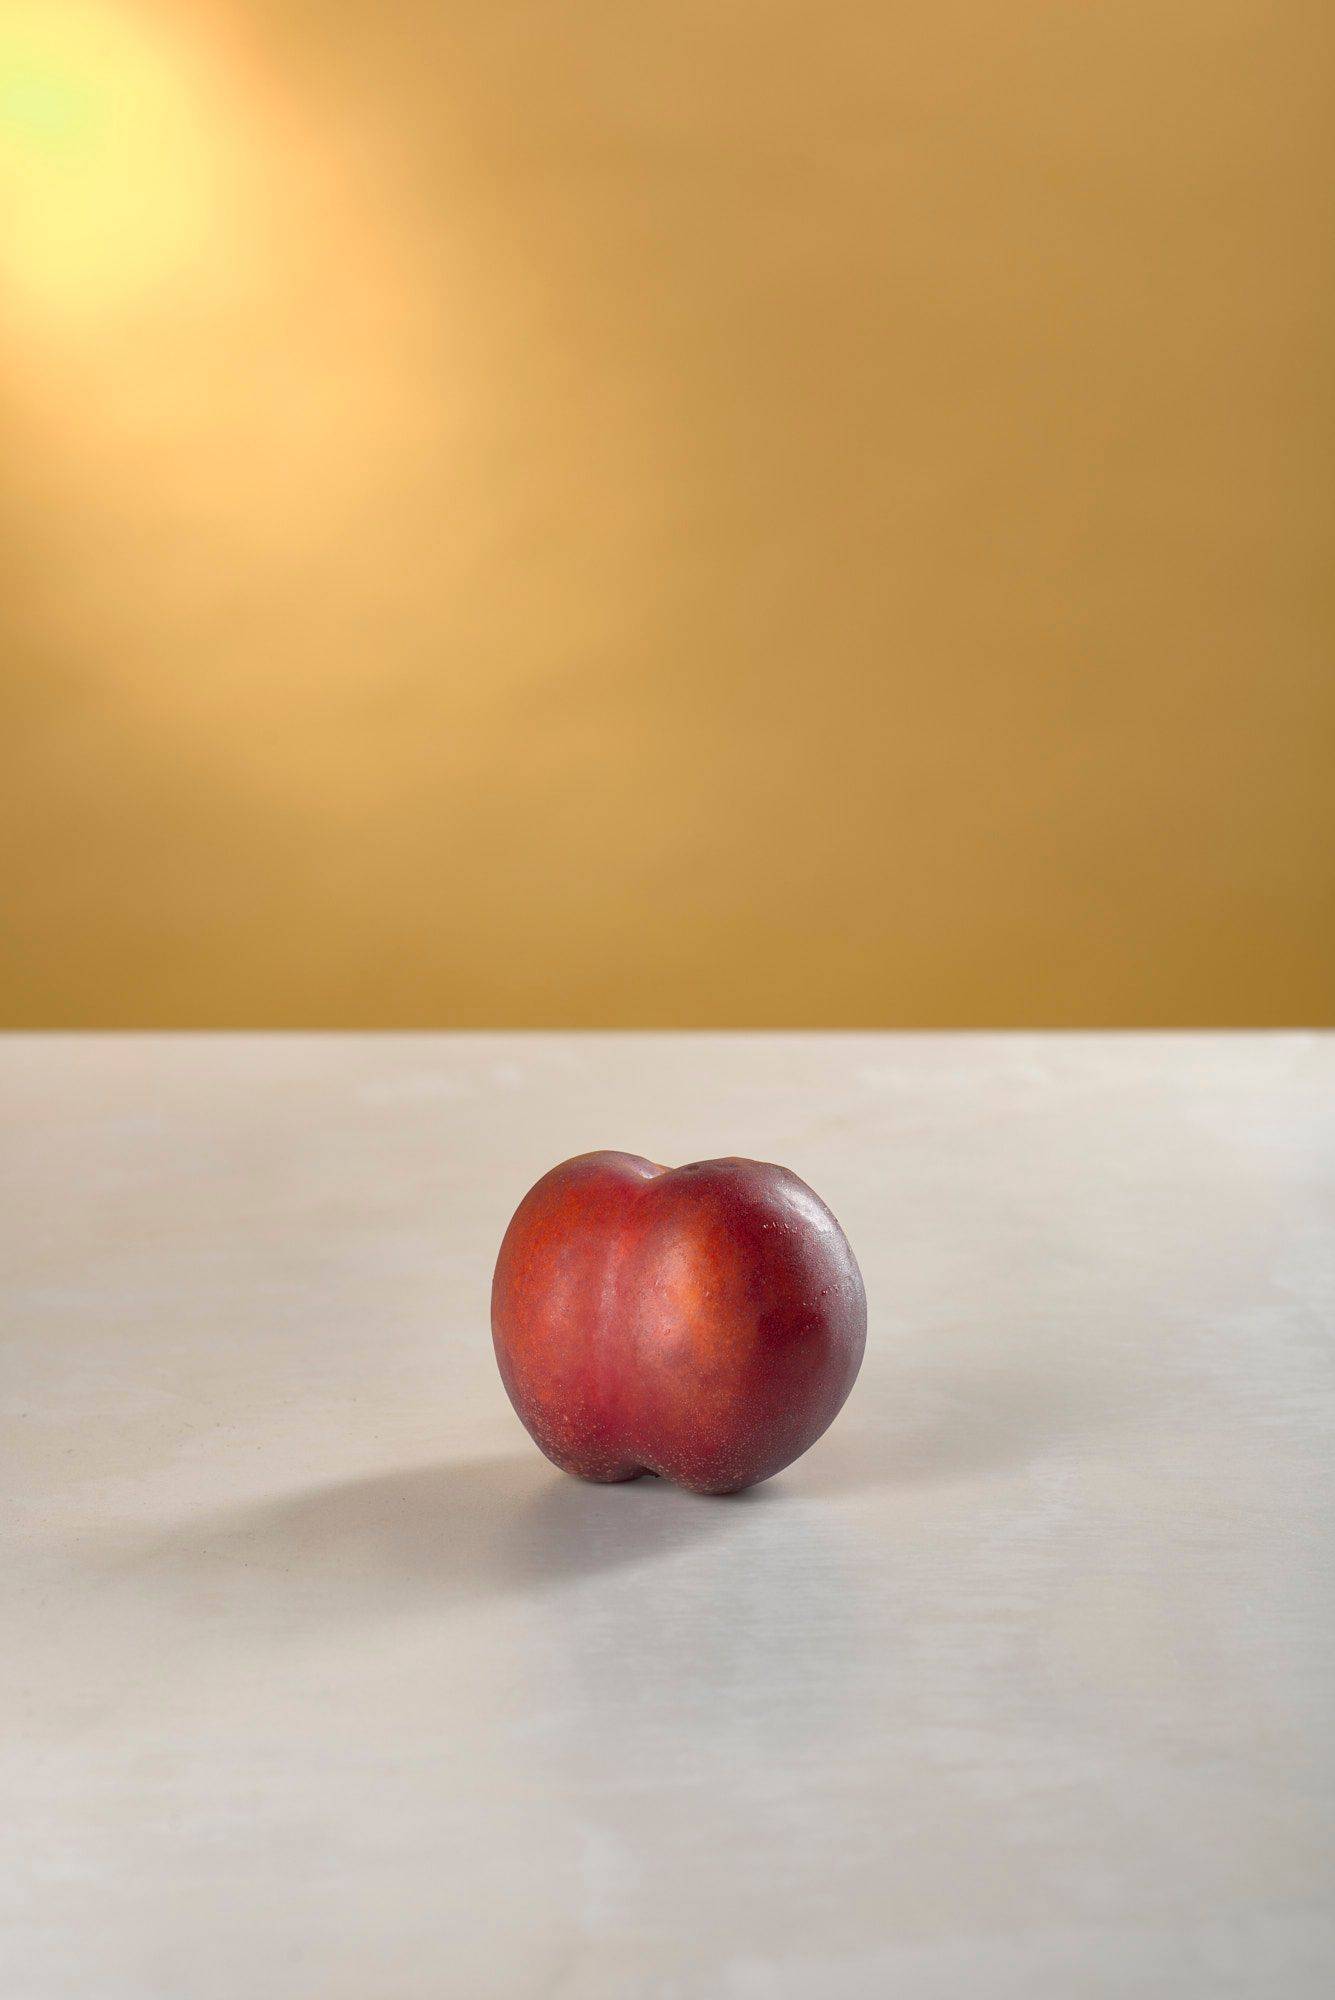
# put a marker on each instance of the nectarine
(705, 1323)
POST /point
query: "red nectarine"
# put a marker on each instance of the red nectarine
(704, 1323)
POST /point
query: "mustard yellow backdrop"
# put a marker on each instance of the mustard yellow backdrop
(668, 513)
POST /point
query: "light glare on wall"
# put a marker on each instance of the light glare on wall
(109, 161)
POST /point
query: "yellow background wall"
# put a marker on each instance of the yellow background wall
(674, 513)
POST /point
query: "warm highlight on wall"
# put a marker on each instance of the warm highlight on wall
(666, 514)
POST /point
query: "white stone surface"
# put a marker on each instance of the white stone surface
(317, 1682)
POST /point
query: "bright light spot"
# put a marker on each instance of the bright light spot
(109, 160)
(51, 111)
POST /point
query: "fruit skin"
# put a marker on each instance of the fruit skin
(705, 1323)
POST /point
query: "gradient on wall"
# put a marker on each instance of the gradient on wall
(671, 515)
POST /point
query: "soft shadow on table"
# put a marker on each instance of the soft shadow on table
(462, 1530)
(470, 1530)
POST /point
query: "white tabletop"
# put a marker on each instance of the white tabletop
(318, 1683)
